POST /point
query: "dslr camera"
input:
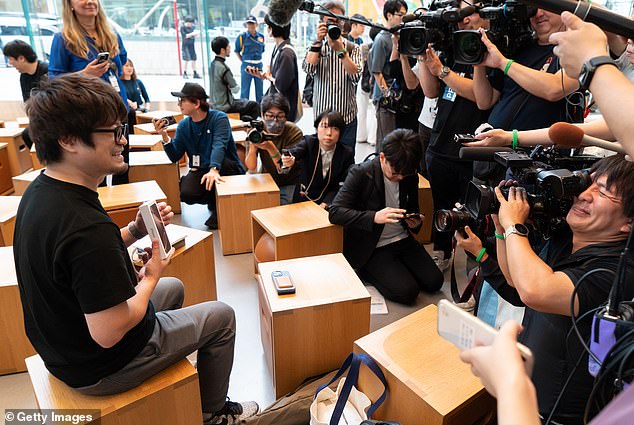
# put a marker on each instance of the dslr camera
(435, 26)
(256, 133)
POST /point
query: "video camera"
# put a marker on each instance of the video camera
(550, 191)
(435, 26)
(256, 133)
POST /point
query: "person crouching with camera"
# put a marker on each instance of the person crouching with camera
(323, 160)
(205, 136)
(278, 135)
(378, 208)
(599, 222)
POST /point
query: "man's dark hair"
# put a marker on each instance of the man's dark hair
(393, 6)
(219, 43)
(275, 100)
(402, 149)
(278, 31)
(52, 111)
(204, 104)
(619, 174)
(17, 48)
(335, 119)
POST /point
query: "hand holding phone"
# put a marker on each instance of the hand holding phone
(285, 169)
(465, 138)
(169, 120)
(103, 57)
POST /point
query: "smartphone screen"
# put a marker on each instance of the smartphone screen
(156, 215)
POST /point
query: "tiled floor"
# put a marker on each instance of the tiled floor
(236, 286)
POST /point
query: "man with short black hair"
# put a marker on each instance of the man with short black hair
(378, 207)
(23, 58)
(205, 136)
(100, 326)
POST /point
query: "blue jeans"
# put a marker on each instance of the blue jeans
(349, 136)
(245, 82)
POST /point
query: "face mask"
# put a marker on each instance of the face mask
(274, 127)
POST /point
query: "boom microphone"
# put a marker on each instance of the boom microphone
(605, 19)
(571, 136)
(481, 153)
(281, 11)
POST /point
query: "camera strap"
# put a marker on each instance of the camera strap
(471, 285)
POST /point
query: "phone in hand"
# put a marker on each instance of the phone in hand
(465, 138)
(169, 120)
(411, 215)
(283, 282)
(463, 330)
(283, 169)
(103, 57)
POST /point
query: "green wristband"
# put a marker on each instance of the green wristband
(500, 237)
(515, 139)
(508, 66)
(277, 155)
(480, 255)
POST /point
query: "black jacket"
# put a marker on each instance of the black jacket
(362, 195)
(307, 152)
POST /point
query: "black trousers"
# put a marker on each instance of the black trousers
(424, 134)
(448, 179)
(401, 270)
(193, 192)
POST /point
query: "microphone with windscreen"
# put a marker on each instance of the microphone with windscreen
(572, 136)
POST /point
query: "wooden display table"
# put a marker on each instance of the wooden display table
(145, 142)
(169, 397)
(428, 383)
(426, 206)
(23, 122)
(37, 165)
(155, 165)
(192, 263)
(22, 181)
(311, 331)
(146, 117)
(299, 230)
(6, 185)
(19, 155)
(8, 211)
(15, 345)
(236, 197)
(122, 202)
(148, 128)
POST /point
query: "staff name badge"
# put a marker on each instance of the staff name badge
(113, 82)
(449, 94)
(196, 160)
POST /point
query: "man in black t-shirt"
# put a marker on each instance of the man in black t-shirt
(98, 325)
(600, 220)
(23, 58)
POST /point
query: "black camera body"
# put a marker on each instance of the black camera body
(434, 27)
(334, 31)
(256, 134)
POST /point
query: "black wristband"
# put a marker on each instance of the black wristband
(315, 49)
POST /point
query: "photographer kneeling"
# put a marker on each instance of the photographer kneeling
(599, 222)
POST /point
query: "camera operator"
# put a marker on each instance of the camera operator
(525, 93)
(457, 113)
(282, 135)
(599, 222)
(378, 61)
(612, 91)
(324, 160)
(336, 67)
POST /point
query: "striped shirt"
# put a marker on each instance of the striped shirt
(334, 88)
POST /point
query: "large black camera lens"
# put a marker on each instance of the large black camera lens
(412, 41)
(254, 136)
(334, 32)
(468, 47)
(452, 220)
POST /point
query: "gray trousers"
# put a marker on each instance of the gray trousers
(207, 327)
(385, 124)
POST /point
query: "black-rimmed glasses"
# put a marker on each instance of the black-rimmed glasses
(118, 131)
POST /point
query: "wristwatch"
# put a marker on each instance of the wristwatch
(518, 229)
(342, 53)
(444, 72)
(588, 69)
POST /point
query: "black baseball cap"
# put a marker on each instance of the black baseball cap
(191, 90)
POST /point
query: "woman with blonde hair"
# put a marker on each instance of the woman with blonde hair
(88, 44)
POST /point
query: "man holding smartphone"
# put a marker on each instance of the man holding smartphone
(100, 327)
(205, 136)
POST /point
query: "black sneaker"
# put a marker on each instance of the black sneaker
(233, 413)
(212, 221)
(197, 76)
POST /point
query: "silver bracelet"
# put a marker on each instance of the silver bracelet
(134, 231)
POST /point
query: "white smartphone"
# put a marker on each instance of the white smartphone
(463, 330)
(155, 227)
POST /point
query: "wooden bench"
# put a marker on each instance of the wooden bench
(312, 331)
(155, 165)
(236, 197)
(192, 263)
(170, 397)
(122, 202)
(298, 230)
(8, 211)
(19, 154)
(428, 383)
(15, 345)
(6, 184)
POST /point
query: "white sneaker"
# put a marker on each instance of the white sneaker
(441, 262)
